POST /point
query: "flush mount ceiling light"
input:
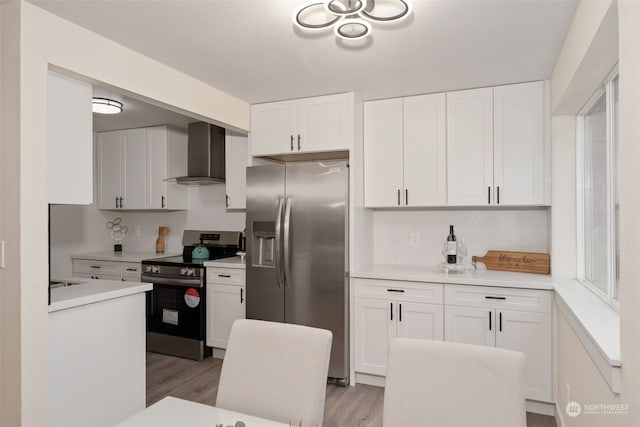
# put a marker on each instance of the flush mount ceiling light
(106, 106)
(350, 18)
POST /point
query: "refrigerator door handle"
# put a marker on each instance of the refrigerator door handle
(286, 237)
(278, 234)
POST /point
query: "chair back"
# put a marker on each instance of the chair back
(437, 384)
(276, 371)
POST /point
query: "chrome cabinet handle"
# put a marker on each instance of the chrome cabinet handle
(490, 297)
(94, 266)
(132, 269)
(406, 196)
(298, 142)
(241, 295)
(224, 275)
(227, 200)
(121, 202)
(291, 142)
(398, 197)
(162, 199)
(400, 312)
(391, 310)
(489, 319)
(500, 321)
(489, 196)
(498, 195)
(395, 290)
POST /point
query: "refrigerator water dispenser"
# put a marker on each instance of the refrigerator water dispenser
(263, 244)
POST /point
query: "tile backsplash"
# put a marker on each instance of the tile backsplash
(516, 230)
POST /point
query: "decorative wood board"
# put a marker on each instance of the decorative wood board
(523, 262)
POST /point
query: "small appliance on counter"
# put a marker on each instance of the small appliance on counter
(176, 307)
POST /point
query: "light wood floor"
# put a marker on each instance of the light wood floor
(198, 381)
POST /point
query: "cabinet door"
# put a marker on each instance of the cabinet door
(383, 169)
(518, 161)
(324, 123)
(469, 325)
(470, 147)
(273, 128)
(529, 333)
(69, 134)
(237, 157)
(134, 169)
(375, 327)
(424, 321)
(156, 163)
(225, 304)
(109, 147)
(425, 150)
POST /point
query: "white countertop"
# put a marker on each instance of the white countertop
(232, 262)
(124, 256)
(472, 276)
(92, 291)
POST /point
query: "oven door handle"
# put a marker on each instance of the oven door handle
(194, 283)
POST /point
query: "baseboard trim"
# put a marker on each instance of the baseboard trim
(542, 408)
(369, 379)
(218, 353)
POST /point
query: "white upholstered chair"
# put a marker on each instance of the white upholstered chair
(276, 371)
(442, 384)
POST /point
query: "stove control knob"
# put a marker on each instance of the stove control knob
(155, 269)
(189, 271)
(183, 271)
(147, 269)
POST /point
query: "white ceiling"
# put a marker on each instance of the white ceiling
(250, 48)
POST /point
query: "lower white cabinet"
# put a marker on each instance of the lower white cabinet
(514, 319)
(386, 309)
(225, 303)
(108, 270)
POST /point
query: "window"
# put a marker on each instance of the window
(598, 205)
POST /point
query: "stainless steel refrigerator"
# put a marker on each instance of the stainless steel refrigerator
(297, 228)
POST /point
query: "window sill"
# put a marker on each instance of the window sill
(596, 324)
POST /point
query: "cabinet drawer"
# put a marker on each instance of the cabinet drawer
(131, 270)
(226, 276)
(500, 298)
(421, 292)
(88, 266)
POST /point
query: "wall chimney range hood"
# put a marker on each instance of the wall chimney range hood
(206, 156)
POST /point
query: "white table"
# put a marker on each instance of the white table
(172, 412)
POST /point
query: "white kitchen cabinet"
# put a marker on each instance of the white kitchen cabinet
(387, 309)
(518, 144)
(133, 165)
(470, 147)
(514, 319)
(308, 125)
(405, 151)
(226, 291)
(495, 146)
(236, 158)
(69, 140)
(166, 157)
(106, 270)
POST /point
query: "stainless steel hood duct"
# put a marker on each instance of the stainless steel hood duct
(206, 156)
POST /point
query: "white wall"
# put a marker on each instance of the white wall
(34, 41)
(81, 229)
(516, 230)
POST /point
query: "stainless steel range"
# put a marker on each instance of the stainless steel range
(176, 308)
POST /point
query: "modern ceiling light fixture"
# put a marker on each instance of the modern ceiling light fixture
(106, 106)
(349, 18)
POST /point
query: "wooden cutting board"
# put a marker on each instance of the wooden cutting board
(523, 262)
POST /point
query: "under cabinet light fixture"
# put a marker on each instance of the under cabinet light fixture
(106, 106)
(349, 18)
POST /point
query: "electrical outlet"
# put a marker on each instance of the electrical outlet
(137, 231)
(415, 239)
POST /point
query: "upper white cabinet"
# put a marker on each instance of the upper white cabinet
(133, 165)
(470, 147)
(236, 158)
(308, 125)
(70, 136)
(495, 146)
(518, 144)
(405, 151)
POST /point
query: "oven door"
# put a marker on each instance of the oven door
(176, 307)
